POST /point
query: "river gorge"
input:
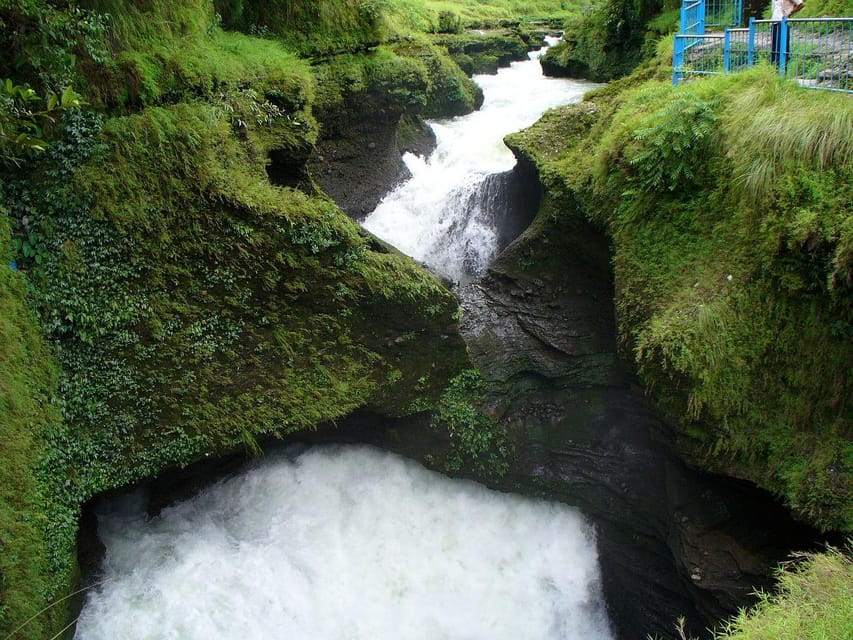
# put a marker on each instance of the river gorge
(595, 530)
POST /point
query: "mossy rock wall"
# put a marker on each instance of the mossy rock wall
(187, 290)
(28, 414)
(727, 202)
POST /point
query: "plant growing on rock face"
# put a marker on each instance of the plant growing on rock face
(476, 440)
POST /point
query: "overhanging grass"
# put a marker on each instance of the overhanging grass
(166, 51)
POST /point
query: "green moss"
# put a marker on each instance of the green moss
(166, 51)
(27, 414)
(198, 309)
(606, 41)
(481, 52)
(415, 77)
(728, 202)
(311, 27)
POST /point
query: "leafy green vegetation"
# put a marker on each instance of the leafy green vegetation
(27, 412)
(163, 315)
(25, 121)
(728, 202)
(813, 600)
(609, 40)
(476, 441)
(191, 306)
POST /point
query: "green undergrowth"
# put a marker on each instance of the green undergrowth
(478, 52)
(609, 39)
(476, 442)
(311, 27)
(413, 77)
(200, 299)
(348, 26)
(813, 600)
(27, 413)
(728, 202)
(439, 14)
(164, 52)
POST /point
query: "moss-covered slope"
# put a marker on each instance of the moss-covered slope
(28, 413)
(728, 202)
(197, 291)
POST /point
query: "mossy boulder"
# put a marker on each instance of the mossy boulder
(484, 51)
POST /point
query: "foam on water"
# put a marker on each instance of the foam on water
(346, 543)
(416, 216)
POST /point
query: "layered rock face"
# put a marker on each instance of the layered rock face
(672, 541)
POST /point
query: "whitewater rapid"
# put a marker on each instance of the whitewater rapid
(351, 543)
(430, 217)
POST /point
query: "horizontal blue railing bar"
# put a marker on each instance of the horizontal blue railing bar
(815, 52)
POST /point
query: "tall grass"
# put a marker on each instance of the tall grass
(813, 601)
(781, 127)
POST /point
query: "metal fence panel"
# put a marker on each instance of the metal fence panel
(693, 16)
(700, 55)
(723, 13)
(816, 52)
(820, 53)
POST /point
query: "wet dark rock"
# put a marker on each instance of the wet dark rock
(673, 542)
(359, 157)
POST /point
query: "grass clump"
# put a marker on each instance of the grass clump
(813, 601)
(162, 52)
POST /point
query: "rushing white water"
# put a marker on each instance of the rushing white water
(430, 217)
(346, 543)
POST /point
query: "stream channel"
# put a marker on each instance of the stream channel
(597, 532)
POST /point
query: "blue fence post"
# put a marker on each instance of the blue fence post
(739, 12)
(727, 51)
(677, 59)
(750, 45)
(700, 28)
(783, 46)
(684, 4)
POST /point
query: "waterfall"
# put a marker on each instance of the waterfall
(346, 543)
(337, 543)
(453, 213)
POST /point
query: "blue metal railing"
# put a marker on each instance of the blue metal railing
(693, 16)
(723, 13)
(816, 52)
(819, 52)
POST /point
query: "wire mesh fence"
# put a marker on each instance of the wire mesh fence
(723, 13)
(816, 52)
